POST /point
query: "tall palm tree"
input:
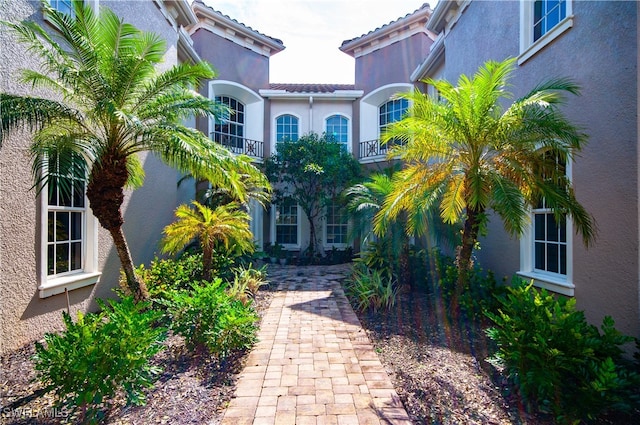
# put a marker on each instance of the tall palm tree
(225, 224)
(466, 154)
(109, 104)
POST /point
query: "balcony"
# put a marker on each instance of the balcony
(373, 150)
(239, 145)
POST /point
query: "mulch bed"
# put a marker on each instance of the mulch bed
(439, 370)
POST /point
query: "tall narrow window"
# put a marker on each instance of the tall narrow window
(550, 241)
(546, 15)
(286, 128)
(66, 212)
(287, 223)
(338, 129)
(391, 112)
(230, 131)
(336, 225)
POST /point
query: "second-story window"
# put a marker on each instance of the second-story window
(390, 112)
(230, 131)
(546, 15)
(338, 129)
(286, 128)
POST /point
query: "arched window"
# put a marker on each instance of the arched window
(286, 128)
(390, 112)
(230, 131)
(338, 128)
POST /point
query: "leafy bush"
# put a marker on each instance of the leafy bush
(371, 289)
(163, 276)
(208, 317)
(246, 283)
(99, 355)
(557, 360)
(479, 294)
(379, 256)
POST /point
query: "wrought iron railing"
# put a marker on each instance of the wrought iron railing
(373, 149)
(239, 144)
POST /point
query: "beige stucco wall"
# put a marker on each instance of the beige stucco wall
(23, 315)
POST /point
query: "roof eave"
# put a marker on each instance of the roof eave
(209, 13)
(420, 15)
(335, 95)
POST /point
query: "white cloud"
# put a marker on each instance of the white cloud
(313, 30)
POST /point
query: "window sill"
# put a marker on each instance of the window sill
(539, 44)
(550, 283)
(67, 283)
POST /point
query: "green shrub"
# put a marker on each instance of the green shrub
(208, 317)
(246, 283)
(556, 360)
(163, 276)
(371, 289)
(479, 294)
(100, 355)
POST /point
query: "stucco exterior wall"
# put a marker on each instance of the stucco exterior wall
(23, 315)
(232, 62)
(391, 64)
(600, 54)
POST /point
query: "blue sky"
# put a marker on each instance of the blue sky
(313, 30)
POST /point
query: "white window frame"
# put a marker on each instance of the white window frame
(274, 221)
(327, 244)
(347, 143)
(275, 127)
(556, 282)
(529, 47)
(88, 274)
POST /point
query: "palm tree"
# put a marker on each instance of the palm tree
(365, 200)
(225, 224)
(465, 154)
(111, 104)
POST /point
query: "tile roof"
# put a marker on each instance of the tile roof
(424, 5)
(311, 88)
(276, 40)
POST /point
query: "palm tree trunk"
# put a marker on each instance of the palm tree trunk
(105, 193)
(136, 285)
(469, 239)
(207, 261)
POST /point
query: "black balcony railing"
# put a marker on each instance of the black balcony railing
(239, 144)
(374, 149)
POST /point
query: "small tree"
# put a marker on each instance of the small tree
(225, 224)
(312, 172)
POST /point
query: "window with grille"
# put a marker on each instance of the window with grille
(229, 132)
(287, 223)
(338, 129)
(286, 128)
(66, 211)
(336, 225)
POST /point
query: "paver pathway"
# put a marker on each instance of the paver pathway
(313, 364)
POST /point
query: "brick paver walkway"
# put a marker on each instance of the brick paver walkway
(313, 363)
